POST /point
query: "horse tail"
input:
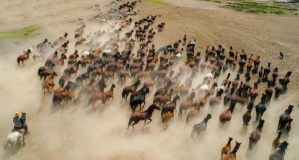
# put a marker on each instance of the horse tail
(222, 119)
(123, 94)
(54, 100)
(130, 121)
(18, 60)
(61, 82)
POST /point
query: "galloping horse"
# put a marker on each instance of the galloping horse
(279, 154)
(260, 108)
(169, 107)
(24, 57)
(285, 118)
(200, 127)
(186, 104)
(227, 114)
(256, 135)
(13, 139)
(17, 136)
(142, 116)
(232, 154)
(227, 148)
(216, 100)
(129, 89)
(139, 99)
(247, 115)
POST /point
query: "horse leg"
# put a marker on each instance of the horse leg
(150, 120)
(135, 122)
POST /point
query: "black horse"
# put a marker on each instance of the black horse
(285, 118)
(138, 100)
(260, 108)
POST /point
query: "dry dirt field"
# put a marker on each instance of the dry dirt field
(78, 132)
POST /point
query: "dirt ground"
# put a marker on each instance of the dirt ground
(77, 132)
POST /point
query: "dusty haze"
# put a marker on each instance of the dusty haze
(78, 132)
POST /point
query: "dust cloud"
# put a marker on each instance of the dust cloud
(78, 132)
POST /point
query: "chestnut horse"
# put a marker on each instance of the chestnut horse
(24, 57)
(227, 148)
(232, 154)
(188, 103)
(142, 116)
(226, 116)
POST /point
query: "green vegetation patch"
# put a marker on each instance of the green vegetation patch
(253, 7)
(160, 2)
(216, 1)
(19, 34)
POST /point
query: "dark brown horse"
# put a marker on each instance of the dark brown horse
(129, 89)
(170, 106)
(247, 115)
(142, 115)
(44, 72)
(24, 57)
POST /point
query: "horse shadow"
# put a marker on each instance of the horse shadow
(92, 111)
(136, 132)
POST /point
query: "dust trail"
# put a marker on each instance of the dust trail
(77, 132)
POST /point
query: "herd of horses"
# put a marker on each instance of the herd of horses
(120, 57)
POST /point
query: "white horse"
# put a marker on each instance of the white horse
(12, 140)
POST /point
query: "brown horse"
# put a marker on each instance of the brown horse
(24, 57)
(216, 100)
(226, 116)
(186, 104)
(170, 106)
(247, 115)
(202, 101)
(109, 94)
(48, 83)
(129, 89)
(255, 136)
(276, 141)
(232, 154)
(227, 148)
(167, 117)
(142, 116)
(44, 72)
(253, 93)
